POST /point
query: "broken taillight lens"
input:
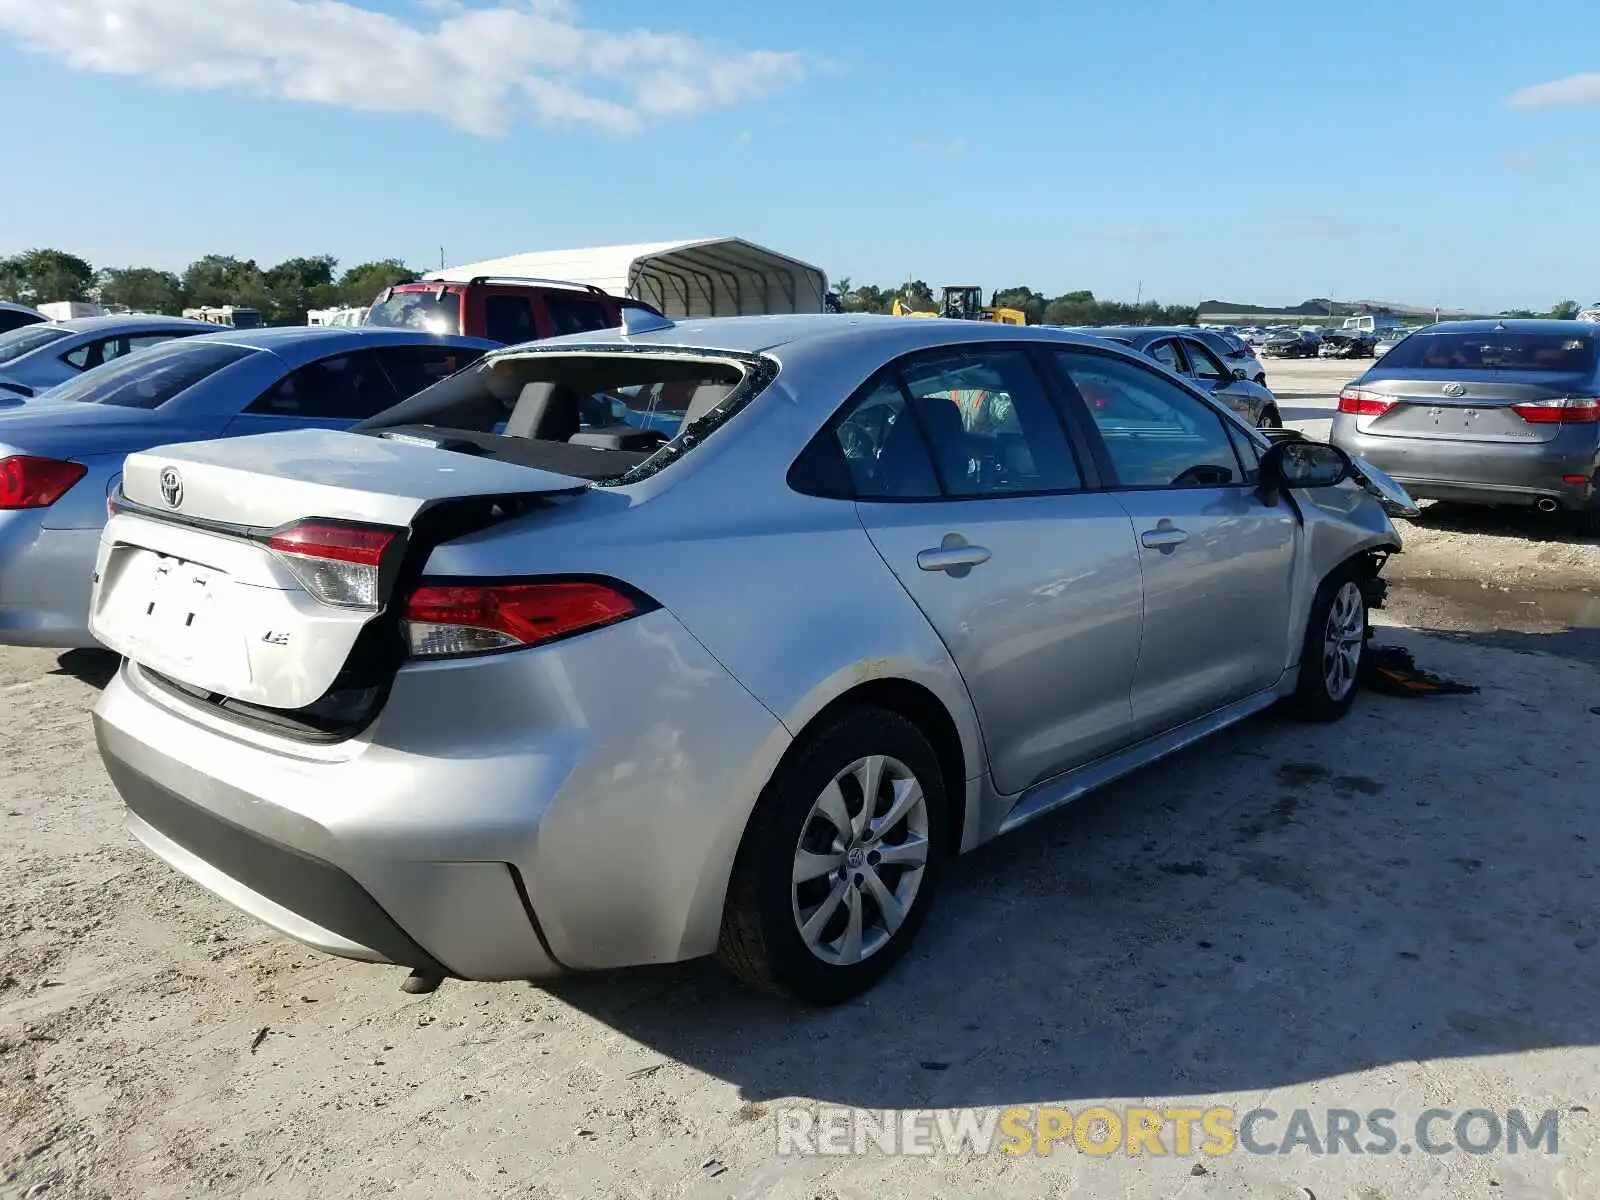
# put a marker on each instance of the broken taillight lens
(336, 563)
(27, 481)
(453, 620)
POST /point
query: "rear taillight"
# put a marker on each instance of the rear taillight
(1360, 402)
(1569, 410)
(338, 564)
(449, 621)
(30, 482)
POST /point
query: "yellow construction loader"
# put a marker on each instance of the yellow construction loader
(963, 302)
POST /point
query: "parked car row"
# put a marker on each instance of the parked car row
(1239, 381)
(973, 570)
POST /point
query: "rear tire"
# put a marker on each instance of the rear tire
(1334, 652)
(1587, 521)
(875, 861)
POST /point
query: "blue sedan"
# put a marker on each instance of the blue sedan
(61, 453)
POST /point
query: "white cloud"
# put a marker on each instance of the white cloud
(1574, 89)
(474, 65)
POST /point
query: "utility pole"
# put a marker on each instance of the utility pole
(441, 258)
(1139, 295)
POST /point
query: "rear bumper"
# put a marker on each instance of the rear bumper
(505, 818)
(46, 576)
(1482, 472)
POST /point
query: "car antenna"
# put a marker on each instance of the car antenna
(642, 320)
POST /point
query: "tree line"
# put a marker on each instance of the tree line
(283, 293)
(1070, 308)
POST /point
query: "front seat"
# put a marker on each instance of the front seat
(546, 412)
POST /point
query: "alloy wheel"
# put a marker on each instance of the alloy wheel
(1342, 640)
(860, 860)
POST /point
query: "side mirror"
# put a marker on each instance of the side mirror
(1240, 373)
(1301, 464)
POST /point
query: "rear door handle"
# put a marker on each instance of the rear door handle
(1164, 538)
(955, 559)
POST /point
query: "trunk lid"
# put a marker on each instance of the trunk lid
(189, 584)
(1482, 412)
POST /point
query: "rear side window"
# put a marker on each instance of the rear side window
(150, 379)
(347, 387)
(1500, 350)
(570, 314)
(11, 319)
(508, 319)
(412, 368)
(884, 449)
(427, 311)
(17, 342)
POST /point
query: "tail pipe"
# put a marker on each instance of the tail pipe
(1546, 504)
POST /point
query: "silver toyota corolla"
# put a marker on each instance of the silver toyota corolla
(721, 636)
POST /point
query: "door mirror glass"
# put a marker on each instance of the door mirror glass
(1303, 464)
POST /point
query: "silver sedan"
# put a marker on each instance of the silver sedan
(718, 637)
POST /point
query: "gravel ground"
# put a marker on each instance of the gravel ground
(1398, 911)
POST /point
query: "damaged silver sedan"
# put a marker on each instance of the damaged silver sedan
(722, 636)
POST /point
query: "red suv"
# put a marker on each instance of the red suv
(501, 308)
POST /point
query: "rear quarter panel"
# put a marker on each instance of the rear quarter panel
(785, 591)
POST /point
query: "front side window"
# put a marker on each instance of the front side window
(347, 387)
(1156, 434)
(154, 377)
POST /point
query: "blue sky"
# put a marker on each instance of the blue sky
(1251, 151)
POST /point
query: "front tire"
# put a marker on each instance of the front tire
(1334, 652)
(839, 862)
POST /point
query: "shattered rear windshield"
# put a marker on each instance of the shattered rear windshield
(628, 413)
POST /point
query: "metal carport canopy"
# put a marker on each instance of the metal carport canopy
(698, 277)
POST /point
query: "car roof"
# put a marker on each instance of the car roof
(300, 343)
(885, 335)
(1513, 325)
(13, 306)
(127, 323)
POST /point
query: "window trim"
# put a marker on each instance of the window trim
(892, 371)
(1102, 455)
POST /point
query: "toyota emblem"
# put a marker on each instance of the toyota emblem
(1454, 389)
(171, 486)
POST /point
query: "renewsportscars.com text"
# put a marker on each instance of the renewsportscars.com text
(1181, 1131)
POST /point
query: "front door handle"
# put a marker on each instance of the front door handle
(1165, 536)
(954, 555)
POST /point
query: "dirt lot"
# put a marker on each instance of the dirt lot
(1395, 912)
